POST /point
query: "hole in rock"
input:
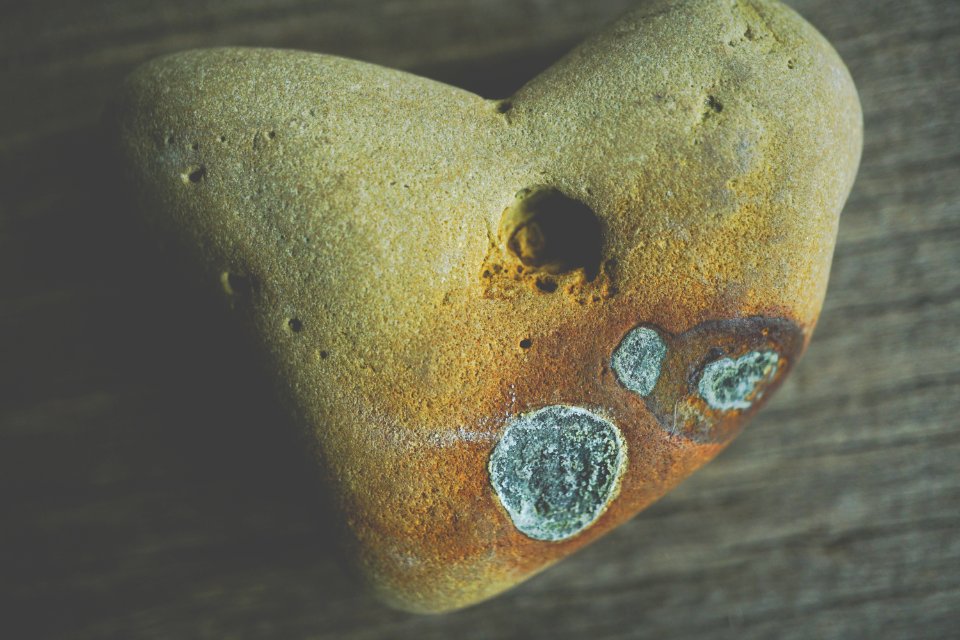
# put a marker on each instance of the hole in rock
(546, 285)
(526, 343)
(549, 231)
(195, 174)
(714, 104)
(295, 325)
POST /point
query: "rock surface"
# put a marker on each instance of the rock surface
(426, 270)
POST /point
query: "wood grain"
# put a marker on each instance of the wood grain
(151, 489)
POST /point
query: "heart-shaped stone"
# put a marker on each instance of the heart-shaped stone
(510, 325)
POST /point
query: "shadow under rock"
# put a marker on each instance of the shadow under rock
(186, 488)
(173, 479)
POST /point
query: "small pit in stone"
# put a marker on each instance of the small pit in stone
(195, 174)
(550, 232)
(714, 104)
(526, 343)
(295, 325)
(546, 285)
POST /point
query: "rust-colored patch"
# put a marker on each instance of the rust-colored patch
(676, 400)
(460, 530)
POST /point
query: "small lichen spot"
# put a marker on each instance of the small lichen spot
(729, 383)
(638, 359)
(556, 469)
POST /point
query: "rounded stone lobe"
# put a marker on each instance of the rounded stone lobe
(730, 383)
(638, 358)
(556, 469)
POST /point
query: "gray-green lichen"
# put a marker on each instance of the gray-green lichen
(733, 383)
(556, 469)
(637, 360)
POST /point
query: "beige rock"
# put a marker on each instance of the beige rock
(509, 326)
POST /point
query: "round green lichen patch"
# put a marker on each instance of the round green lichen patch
(556, 469)
(729, 383)
(637, 360)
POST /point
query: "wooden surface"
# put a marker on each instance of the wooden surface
(151, 489)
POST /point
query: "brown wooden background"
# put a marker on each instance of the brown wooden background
(149, 487)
